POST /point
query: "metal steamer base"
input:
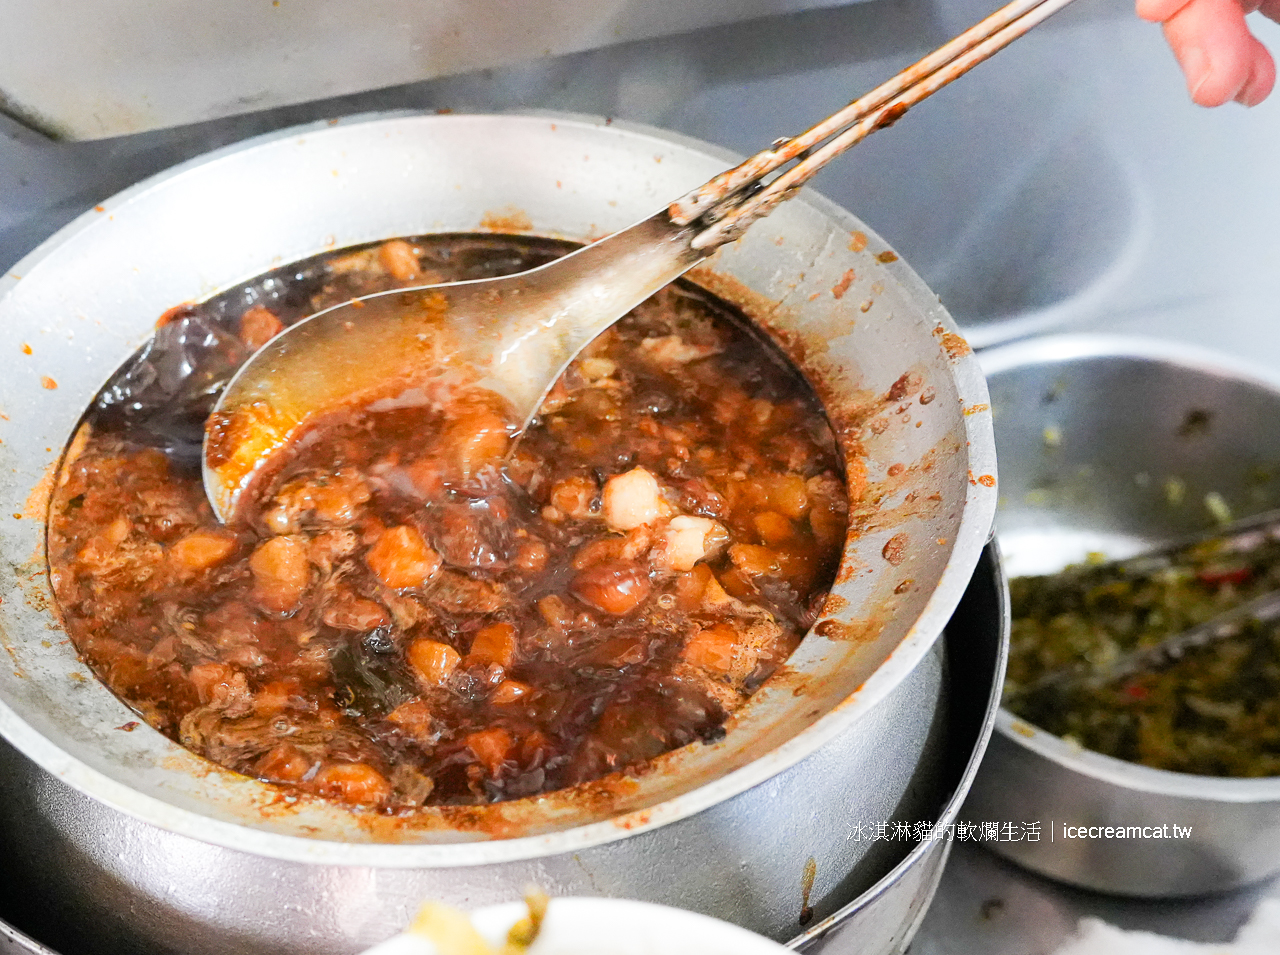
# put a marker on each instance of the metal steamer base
(66, 858)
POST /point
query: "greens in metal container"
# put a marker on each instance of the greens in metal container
(1213, 711)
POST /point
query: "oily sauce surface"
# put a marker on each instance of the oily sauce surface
(416, 612)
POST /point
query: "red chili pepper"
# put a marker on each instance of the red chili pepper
(1217, 576)
(1136, 691)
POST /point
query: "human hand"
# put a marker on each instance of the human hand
(1221, 59)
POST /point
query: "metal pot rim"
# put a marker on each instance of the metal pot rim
(1126, 775)
(1052, 349)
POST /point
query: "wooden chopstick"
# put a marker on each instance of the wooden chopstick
(877, 109)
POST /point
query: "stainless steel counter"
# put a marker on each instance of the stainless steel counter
(986, 906)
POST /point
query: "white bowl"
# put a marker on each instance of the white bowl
(590, 926)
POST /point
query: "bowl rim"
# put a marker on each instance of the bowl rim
(600, 915)
(1068, 347)
(1073, 346)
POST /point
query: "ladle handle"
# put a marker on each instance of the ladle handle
(730, 202)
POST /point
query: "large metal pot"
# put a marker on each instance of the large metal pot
(83, 301)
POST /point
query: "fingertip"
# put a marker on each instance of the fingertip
(1262, 79)
(1215, 50)
(1213, 89)
(1157, 11)
(1199, 73)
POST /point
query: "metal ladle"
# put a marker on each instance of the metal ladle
(515, 334)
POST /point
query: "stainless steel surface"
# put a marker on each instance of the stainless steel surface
(884, 919)
(1100, 453)
(283, 190)
(392, 172)
(82, 74)
(86, 878)
(988, 906)
(13, 942)
(1116, 412)
(115, 884)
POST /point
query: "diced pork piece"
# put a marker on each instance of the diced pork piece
(411, 788)
(399, 259)
(731, 652)
(329, 547)
(415, 719)
(350, 611)
(337, 499)
(478, 436)
(355, 783)
(615, 586)
(789, 494)
(278, 695)
(754, 560)
(719, 692)
(574, 496)
(494, 644)
(596, 369)
(331, 499)
(167, 511)
(686, 540)
(632, 545)
(509, 691)
(700, 498)
(258, 326)
(112, 557)
(618, 652)
(774, 528)
(829, 511)
(671, 350)
(281, 573)
(222, 687)
(421, 478)
(406, 610)
(712, 648)
(714, 596)
(401, 559)
(457, 593)
(472, 536)
(632, 499)
(531, 555)
(555, 612)
(492, 747)
(284, 763)
(203, 549)
(431, 661)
